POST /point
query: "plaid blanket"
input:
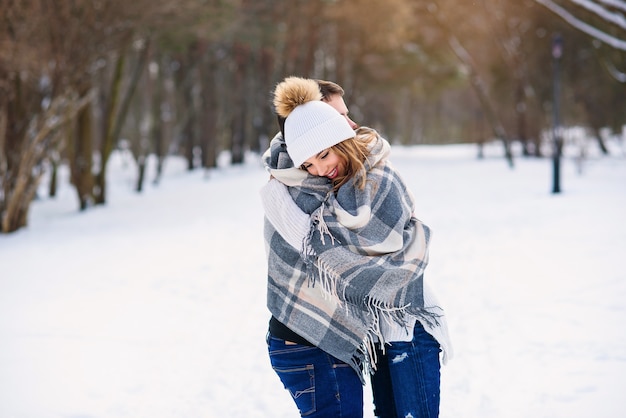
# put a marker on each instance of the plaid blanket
(361, 264)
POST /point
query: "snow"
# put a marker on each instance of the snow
(154, 305)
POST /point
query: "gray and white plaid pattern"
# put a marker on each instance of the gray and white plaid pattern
(345, 280)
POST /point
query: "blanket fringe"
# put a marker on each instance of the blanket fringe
(314, 266)
(317, 222)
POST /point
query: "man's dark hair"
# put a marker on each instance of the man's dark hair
(328, 88)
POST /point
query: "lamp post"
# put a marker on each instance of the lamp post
(557, 51)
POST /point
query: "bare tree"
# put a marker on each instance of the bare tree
(56, 52)
(39, 98)
(44, 132)
(610, 13)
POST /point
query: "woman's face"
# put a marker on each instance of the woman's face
(325, 164)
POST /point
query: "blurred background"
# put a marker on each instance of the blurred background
(80, 79)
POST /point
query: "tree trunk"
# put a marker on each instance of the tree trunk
(239, 114)
(598, 137)
(187, 106)
(116, 110)
(141, 170)
(479, 88)
(265, 123)
(81, 157)
(156, 133)
(54, 168)
(4, 184)
(209, 106)
(34, 145)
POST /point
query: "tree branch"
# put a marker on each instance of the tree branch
(583, 26)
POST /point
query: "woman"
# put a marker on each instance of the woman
(345, 270)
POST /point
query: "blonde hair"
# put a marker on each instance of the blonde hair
(354, 152)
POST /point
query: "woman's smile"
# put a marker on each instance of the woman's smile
(320, 164)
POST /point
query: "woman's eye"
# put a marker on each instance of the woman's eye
(324, 155)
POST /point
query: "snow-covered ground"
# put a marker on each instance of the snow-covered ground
(154, 305)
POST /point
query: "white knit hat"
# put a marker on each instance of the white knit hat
(311, 128)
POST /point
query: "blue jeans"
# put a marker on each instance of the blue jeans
(407, 378)
(320, 385)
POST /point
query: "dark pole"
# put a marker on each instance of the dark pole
(557, 51)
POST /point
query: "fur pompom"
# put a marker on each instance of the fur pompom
(294, 91)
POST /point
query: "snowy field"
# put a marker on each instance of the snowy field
(154, 306)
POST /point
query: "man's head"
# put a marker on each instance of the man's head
(332, 93)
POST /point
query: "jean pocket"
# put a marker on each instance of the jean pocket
(300, 382)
